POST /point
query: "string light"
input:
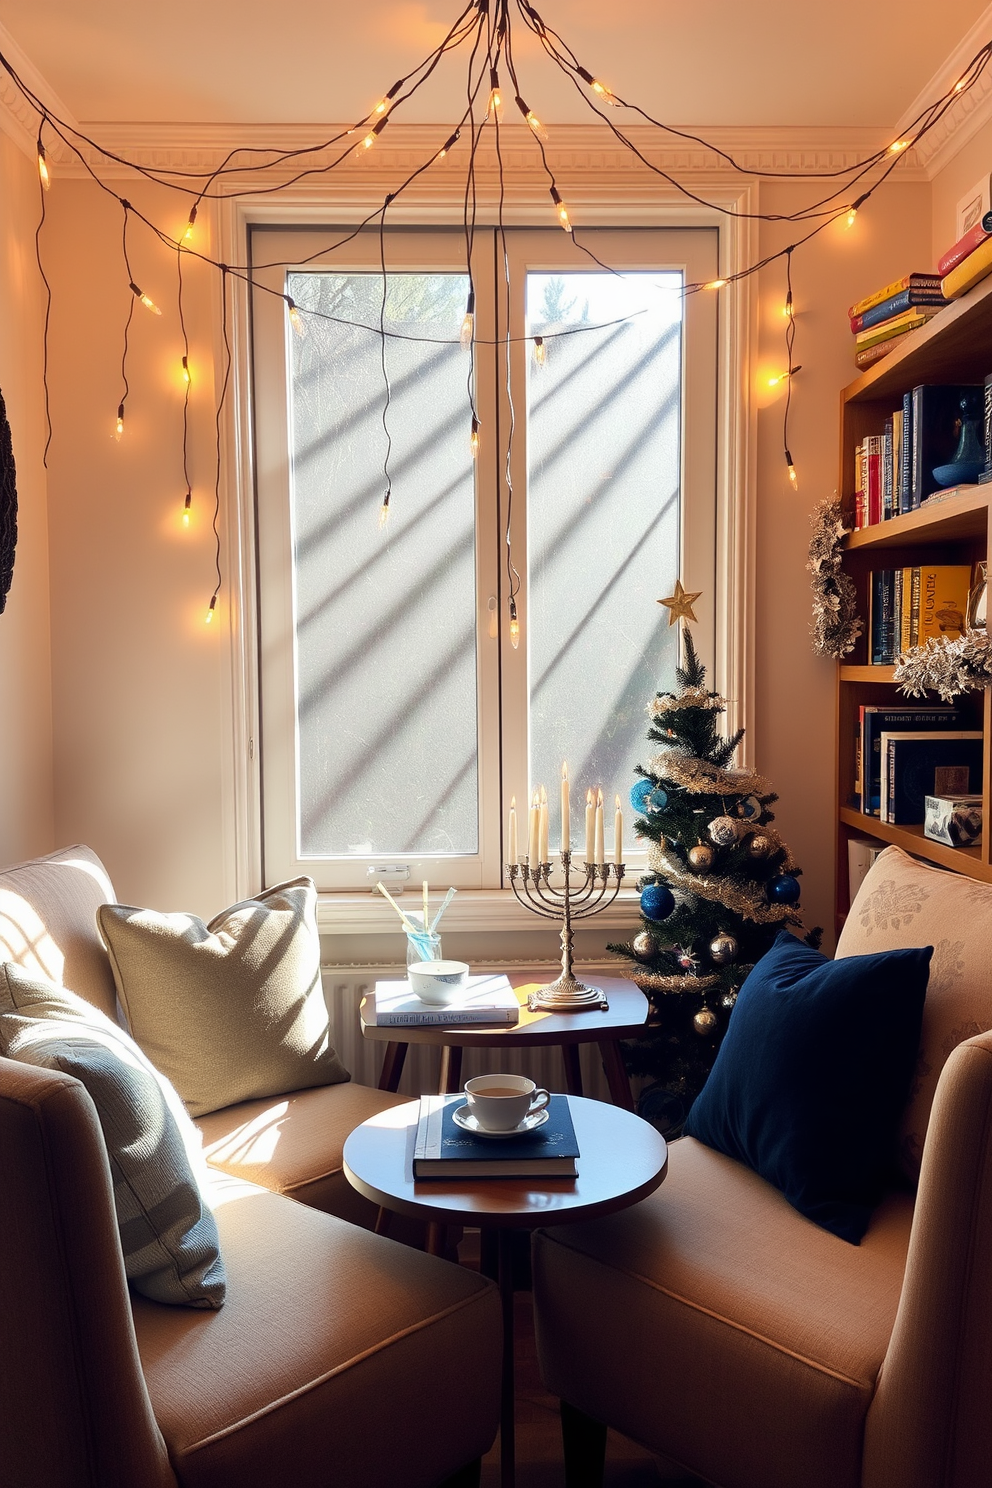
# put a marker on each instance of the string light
(43, 171)
(781, 377)
(540, 351)
(382, 107)
(468, 323)
(186, 377)
(449, 143)
(715, 284)
(562, 209)
(494, 109)
(119, 428)
(793, 479)
(600, 89)
(791, 370)
(788, 309)
(852, 210)
(531, 118)
(187, 504)
(211, 609)
(190, 224)
(514, 624)
(475, 437)
(370, 139)
(146, 300)
(384, 510)
(295, 318)
(898, 145)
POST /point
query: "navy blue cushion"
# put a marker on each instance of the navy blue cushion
(813, 1075)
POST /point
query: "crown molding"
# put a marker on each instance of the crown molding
(18, 116)
(968, 114)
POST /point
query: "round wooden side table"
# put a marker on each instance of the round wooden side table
(624, 1018)
(621, 1160)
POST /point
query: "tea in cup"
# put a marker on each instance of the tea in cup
(499, 1103)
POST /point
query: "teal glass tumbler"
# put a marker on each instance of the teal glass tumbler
(421, 944)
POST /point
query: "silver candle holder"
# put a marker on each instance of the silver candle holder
(534, 889)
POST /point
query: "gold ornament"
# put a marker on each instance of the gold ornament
(723, 831)
(759, 845)
(680, 603)
(704, 1022)
(701, 858)
(645, 945)
(723, 948)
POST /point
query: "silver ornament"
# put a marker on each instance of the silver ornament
(723, 831)
(701, 858)
(723, 948)
(645, 945)
(759, 845)
(704, 1022)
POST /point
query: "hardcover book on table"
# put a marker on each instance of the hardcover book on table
(485, 999)
(442, 1149)
(915, 766)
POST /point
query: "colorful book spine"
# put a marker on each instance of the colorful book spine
(943, 604)
(873, 478)
(987, 423)
(896, 459)
(906, 455)
(911, 320)
(908, 281)
(972, 239)
(896, 305)
(881, 618)
(887, 507)
(867, 355)
(969, 272)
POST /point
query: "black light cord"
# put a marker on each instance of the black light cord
(48, 309)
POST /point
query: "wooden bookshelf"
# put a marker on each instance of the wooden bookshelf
(954, 347)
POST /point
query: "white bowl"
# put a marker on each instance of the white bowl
(438, 982)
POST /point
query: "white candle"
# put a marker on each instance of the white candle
(618, 835)
(532, 835)
(600, 847)
(566, 825)
(590, 827)
(543, 827)
(512, 833)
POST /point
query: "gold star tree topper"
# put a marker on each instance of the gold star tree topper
(680, 603)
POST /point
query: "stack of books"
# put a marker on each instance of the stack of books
(894, 470)
(905, 753)
(967, 261)
(442, 1149)
(873, 722)
(878, 321)
(487, 999)
(909, 605)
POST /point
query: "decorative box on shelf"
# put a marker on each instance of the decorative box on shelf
(955, 820)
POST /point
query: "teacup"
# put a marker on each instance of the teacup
(500, 1102)
(437, 982)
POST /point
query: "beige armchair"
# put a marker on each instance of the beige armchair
(721, 1329)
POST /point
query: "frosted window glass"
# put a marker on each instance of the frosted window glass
(385, 619)
(603, 455)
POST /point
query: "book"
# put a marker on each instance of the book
(865, 355)
(973, 238)
(987, 425)
(877, 719)
(881, 618)
(908, 281)
(943, 602)
(915, 316)
(906, 454)
(895, 304)
(443, 1150)
(947, 493)
(915, 766)
(969, 272)
(486, 999)
(896, 475)
(936, 429)
(887, 508)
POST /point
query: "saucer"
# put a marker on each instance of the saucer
(464, 1118)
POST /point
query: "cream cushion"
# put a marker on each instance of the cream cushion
(161, 1184)
(232, 1010)
(906, 903)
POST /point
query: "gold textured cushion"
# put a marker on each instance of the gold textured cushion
(906, 903)
(232, 1010)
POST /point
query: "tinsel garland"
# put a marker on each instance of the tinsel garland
(836, 623)
(693, 697)
(700, 777)
(948, 667)
(717, 890)
(654, 981)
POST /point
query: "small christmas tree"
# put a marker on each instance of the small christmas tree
(721, 885)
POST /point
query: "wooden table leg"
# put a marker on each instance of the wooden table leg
(616, 1075)
(450, 1081)
(573, 1071)
(507, 1448)
(392, 1066)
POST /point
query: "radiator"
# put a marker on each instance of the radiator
(344, 989)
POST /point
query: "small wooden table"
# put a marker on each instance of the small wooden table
(621, 1160)
(625, 1018)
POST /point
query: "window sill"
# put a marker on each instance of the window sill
(496, 910)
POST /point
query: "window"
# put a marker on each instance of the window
(397, 719)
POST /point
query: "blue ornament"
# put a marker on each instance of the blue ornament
(657, 901)
(750, 808)
(639, 793)
(784, 889)
(657, 800)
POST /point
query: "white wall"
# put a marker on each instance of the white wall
(26, 807)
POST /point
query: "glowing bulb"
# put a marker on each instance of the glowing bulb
(788, 309)
(186, 377)
(468, 324)
(119, 427)
(146, 300)
(43, 171)
(189, 226)
(959, 85)
(852, 213)
(898, 145)
(715, 284)
(531, 118)
(540, 351)
(793, 481)
(514, 624)
(783, 376)
(495, 107)
(296, 319)
(383, 106)
(448, 144)
(562, 210)
(210, 611)
(600, 89)
(852, 210)
(369, 140)
(186, 508)
(475, 436)
(384, 510)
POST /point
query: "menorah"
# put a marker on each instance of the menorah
(534, 889)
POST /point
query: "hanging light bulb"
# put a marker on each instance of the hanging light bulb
(540, 351)
(468, 323)
(384, 510)
(898, 145)
(788, 309)
(370, 138)
(852, 210)
(494, 109)
(562, 209)
(186, 377)
(600, 89)
(531, 118)
(187, 504)
(146, 300)
(448, 144)
(210, 611)
(781, 377)
(119, 427)
(715, 284)
(43, 171)
(793, 481)
(382, 107)
(514, 624)
(189, 226)
(296, 319)
(475, 436)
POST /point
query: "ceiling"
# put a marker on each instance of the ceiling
(723, 62)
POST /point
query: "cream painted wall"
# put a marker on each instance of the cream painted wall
(26, 807)
(138, 678)
(794, 722)
(968, 166)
